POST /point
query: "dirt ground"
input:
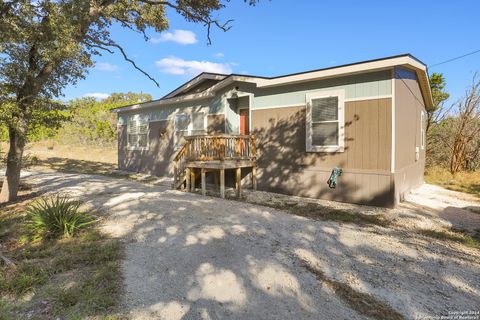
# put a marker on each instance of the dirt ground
(194, 257)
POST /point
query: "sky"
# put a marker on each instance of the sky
(279, 37)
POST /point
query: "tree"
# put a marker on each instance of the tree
(91, 121)
(465, 133)
(439, 95)
(46, 45)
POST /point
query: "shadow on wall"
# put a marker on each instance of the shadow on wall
(285, 167)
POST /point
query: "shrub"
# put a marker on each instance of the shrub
(57, 216)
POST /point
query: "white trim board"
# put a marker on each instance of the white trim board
(392, 160)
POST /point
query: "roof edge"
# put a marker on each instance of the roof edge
(262, 81)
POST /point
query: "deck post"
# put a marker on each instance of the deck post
(175, 176)
(222, 183)
(187, 179)
(239, 181)
(204, 185)
(192, 179)
(254, 177)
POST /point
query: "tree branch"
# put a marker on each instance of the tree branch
(103, 44)
(195, 17)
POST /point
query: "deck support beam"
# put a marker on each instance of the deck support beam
(192, 179)
(187, 179)
(204, 184)
(239, 182)
(175, 176)
(222, 183)
(254, 177)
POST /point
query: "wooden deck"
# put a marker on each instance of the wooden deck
(217, 153)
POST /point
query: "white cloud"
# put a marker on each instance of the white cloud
(219, 55)
(97, 95)
(175, 65)
(105, 66)
(178, 36)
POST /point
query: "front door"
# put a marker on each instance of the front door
(244, 121)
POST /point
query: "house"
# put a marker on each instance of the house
(285, 134)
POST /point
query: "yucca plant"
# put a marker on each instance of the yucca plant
(56, 216)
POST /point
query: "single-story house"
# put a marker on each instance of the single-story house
(366, 118)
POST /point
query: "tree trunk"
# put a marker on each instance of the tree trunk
(11, 181)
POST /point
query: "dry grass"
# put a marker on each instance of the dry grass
(455, 236)
(363, 303)
(320, 212)
(76, 278)
(53, 149)
(51, 155)
(467, 181)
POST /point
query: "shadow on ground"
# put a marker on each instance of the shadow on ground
(193, 257)
(72, 165)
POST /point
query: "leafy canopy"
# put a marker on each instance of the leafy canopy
(438, 84)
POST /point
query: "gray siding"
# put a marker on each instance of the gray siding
(157, 160)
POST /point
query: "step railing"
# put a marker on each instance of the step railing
(213, 148)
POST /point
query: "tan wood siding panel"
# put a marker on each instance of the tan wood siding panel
(284, 165)
(408, 107)
(367, 132)
(350, 125)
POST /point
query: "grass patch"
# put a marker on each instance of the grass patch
(450, 235)
(67, 278)
(74, 166)
(319, 212)
(363, 303)
(467, 181)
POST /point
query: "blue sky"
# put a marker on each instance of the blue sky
(278, 37)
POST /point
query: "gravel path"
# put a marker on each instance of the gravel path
(194, 257)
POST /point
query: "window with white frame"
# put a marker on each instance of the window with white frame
(137, 131)
(423, 128)
(325, 122)
(187, 124)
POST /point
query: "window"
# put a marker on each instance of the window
(181, 127)
(325, 122)
(423, 128)
(137, 131)
(188, 125)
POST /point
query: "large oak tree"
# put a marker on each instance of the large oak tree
(46, 45)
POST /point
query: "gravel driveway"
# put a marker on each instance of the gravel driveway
(194, 257)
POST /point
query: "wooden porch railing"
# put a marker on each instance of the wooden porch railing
(214, 148)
